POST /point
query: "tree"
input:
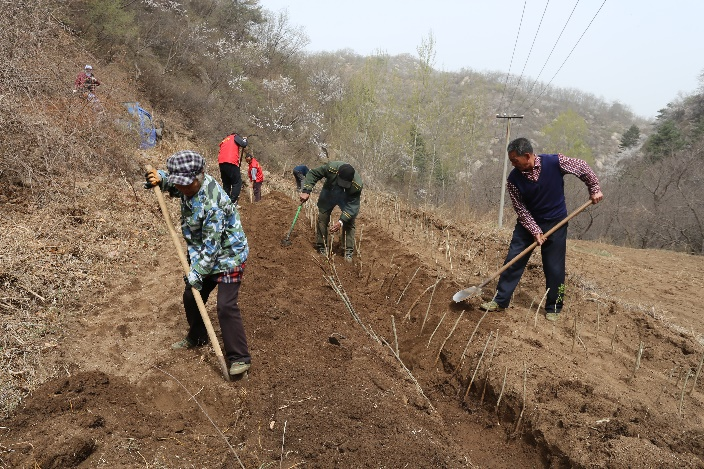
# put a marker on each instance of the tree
(665, 141)
(567, 134)
(630, 137)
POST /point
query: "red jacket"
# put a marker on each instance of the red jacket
(254, 165)
(85, 82)
(230, 152)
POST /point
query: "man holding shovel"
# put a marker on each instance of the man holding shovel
(537, 193)
(217, 251)
(342, 188)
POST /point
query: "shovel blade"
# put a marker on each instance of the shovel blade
(466, 293)
(285, 242)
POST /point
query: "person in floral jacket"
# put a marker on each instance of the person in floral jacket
(217, 252)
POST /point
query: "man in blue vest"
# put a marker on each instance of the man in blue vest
(537, 193)
(299, 174)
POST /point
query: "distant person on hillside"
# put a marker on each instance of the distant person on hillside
(256, 176)
(342, 188)
(217, 251)
(536, 188)
(299, 174)
(229, 158)
(86, 83)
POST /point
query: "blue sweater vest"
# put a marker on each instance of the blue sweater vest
(544, 199)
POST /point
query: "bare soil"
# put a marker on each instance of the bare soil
(326, 388)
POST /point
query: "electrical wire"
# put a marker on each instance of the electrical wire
(512, 55)
(553, 50)
(529, 53)
(568, 56)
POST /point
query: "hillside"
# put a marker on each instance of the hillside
(90, 289)
(323, 391)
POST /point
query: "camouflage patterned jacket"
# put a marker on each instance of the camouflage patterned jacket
(332, 194)
(211, 227)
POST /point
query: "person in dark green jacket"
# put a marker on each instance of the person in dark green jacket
(342, 188)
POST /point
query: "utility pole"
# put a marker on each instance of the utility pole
(503, 180)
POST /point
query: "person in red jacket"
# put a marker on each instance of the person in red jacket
(229, 158)
(86, 82)
(256, 175)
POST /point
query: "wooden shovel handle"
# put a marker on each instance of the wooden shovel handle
(186, 268)
(535, 243)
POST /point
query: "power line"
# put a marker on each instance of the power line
(529, 53)
(568, 55)
(553, 49)
(512, 54)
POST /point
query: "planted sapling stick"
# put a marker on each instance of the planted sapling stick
(464, 352)
(371, 270)
(408, 315)
(639, 354)
(429, 304)
(488, 367)
(283, 439)
(388, 288)
(503, 385)
(393, 326)
(436, 329)
(613, 338)
(523, 408)
(535, 321)
(684, 386)
(407, 285)
(448, 336)
(696, 375)
(469, 386)
(361, 232)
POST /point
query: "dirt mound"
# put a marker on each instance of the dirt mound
(327, 388)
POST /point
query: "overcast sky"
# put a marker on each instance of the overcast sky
(641, 53)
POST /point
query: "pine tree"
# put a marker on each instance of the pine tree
(630, 137)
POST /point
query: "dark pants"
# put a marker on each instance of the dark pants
(257, 190)
(231, 180)
(321, 232)
(231, 326)
(300, 177)
(553, 252)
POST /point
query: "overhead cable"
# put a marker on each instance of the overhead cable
(512, 54)
(529, 53)
(568, 56)
(550, 55)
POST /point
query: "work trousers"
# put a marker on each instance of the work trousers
(552, 251)
(231, 180)
(257, 191)
(299, 177)
(229, 316)
(321, 232)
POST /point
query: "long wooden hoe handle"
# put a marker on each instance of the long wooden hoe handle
(186, 268)
(535, 243)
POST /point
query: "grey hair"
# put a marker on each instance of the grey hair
(520, 146)
(200, 177)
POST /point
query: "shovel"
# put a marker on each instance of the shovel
(473, 291)
(286, 241)
(199, 300)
